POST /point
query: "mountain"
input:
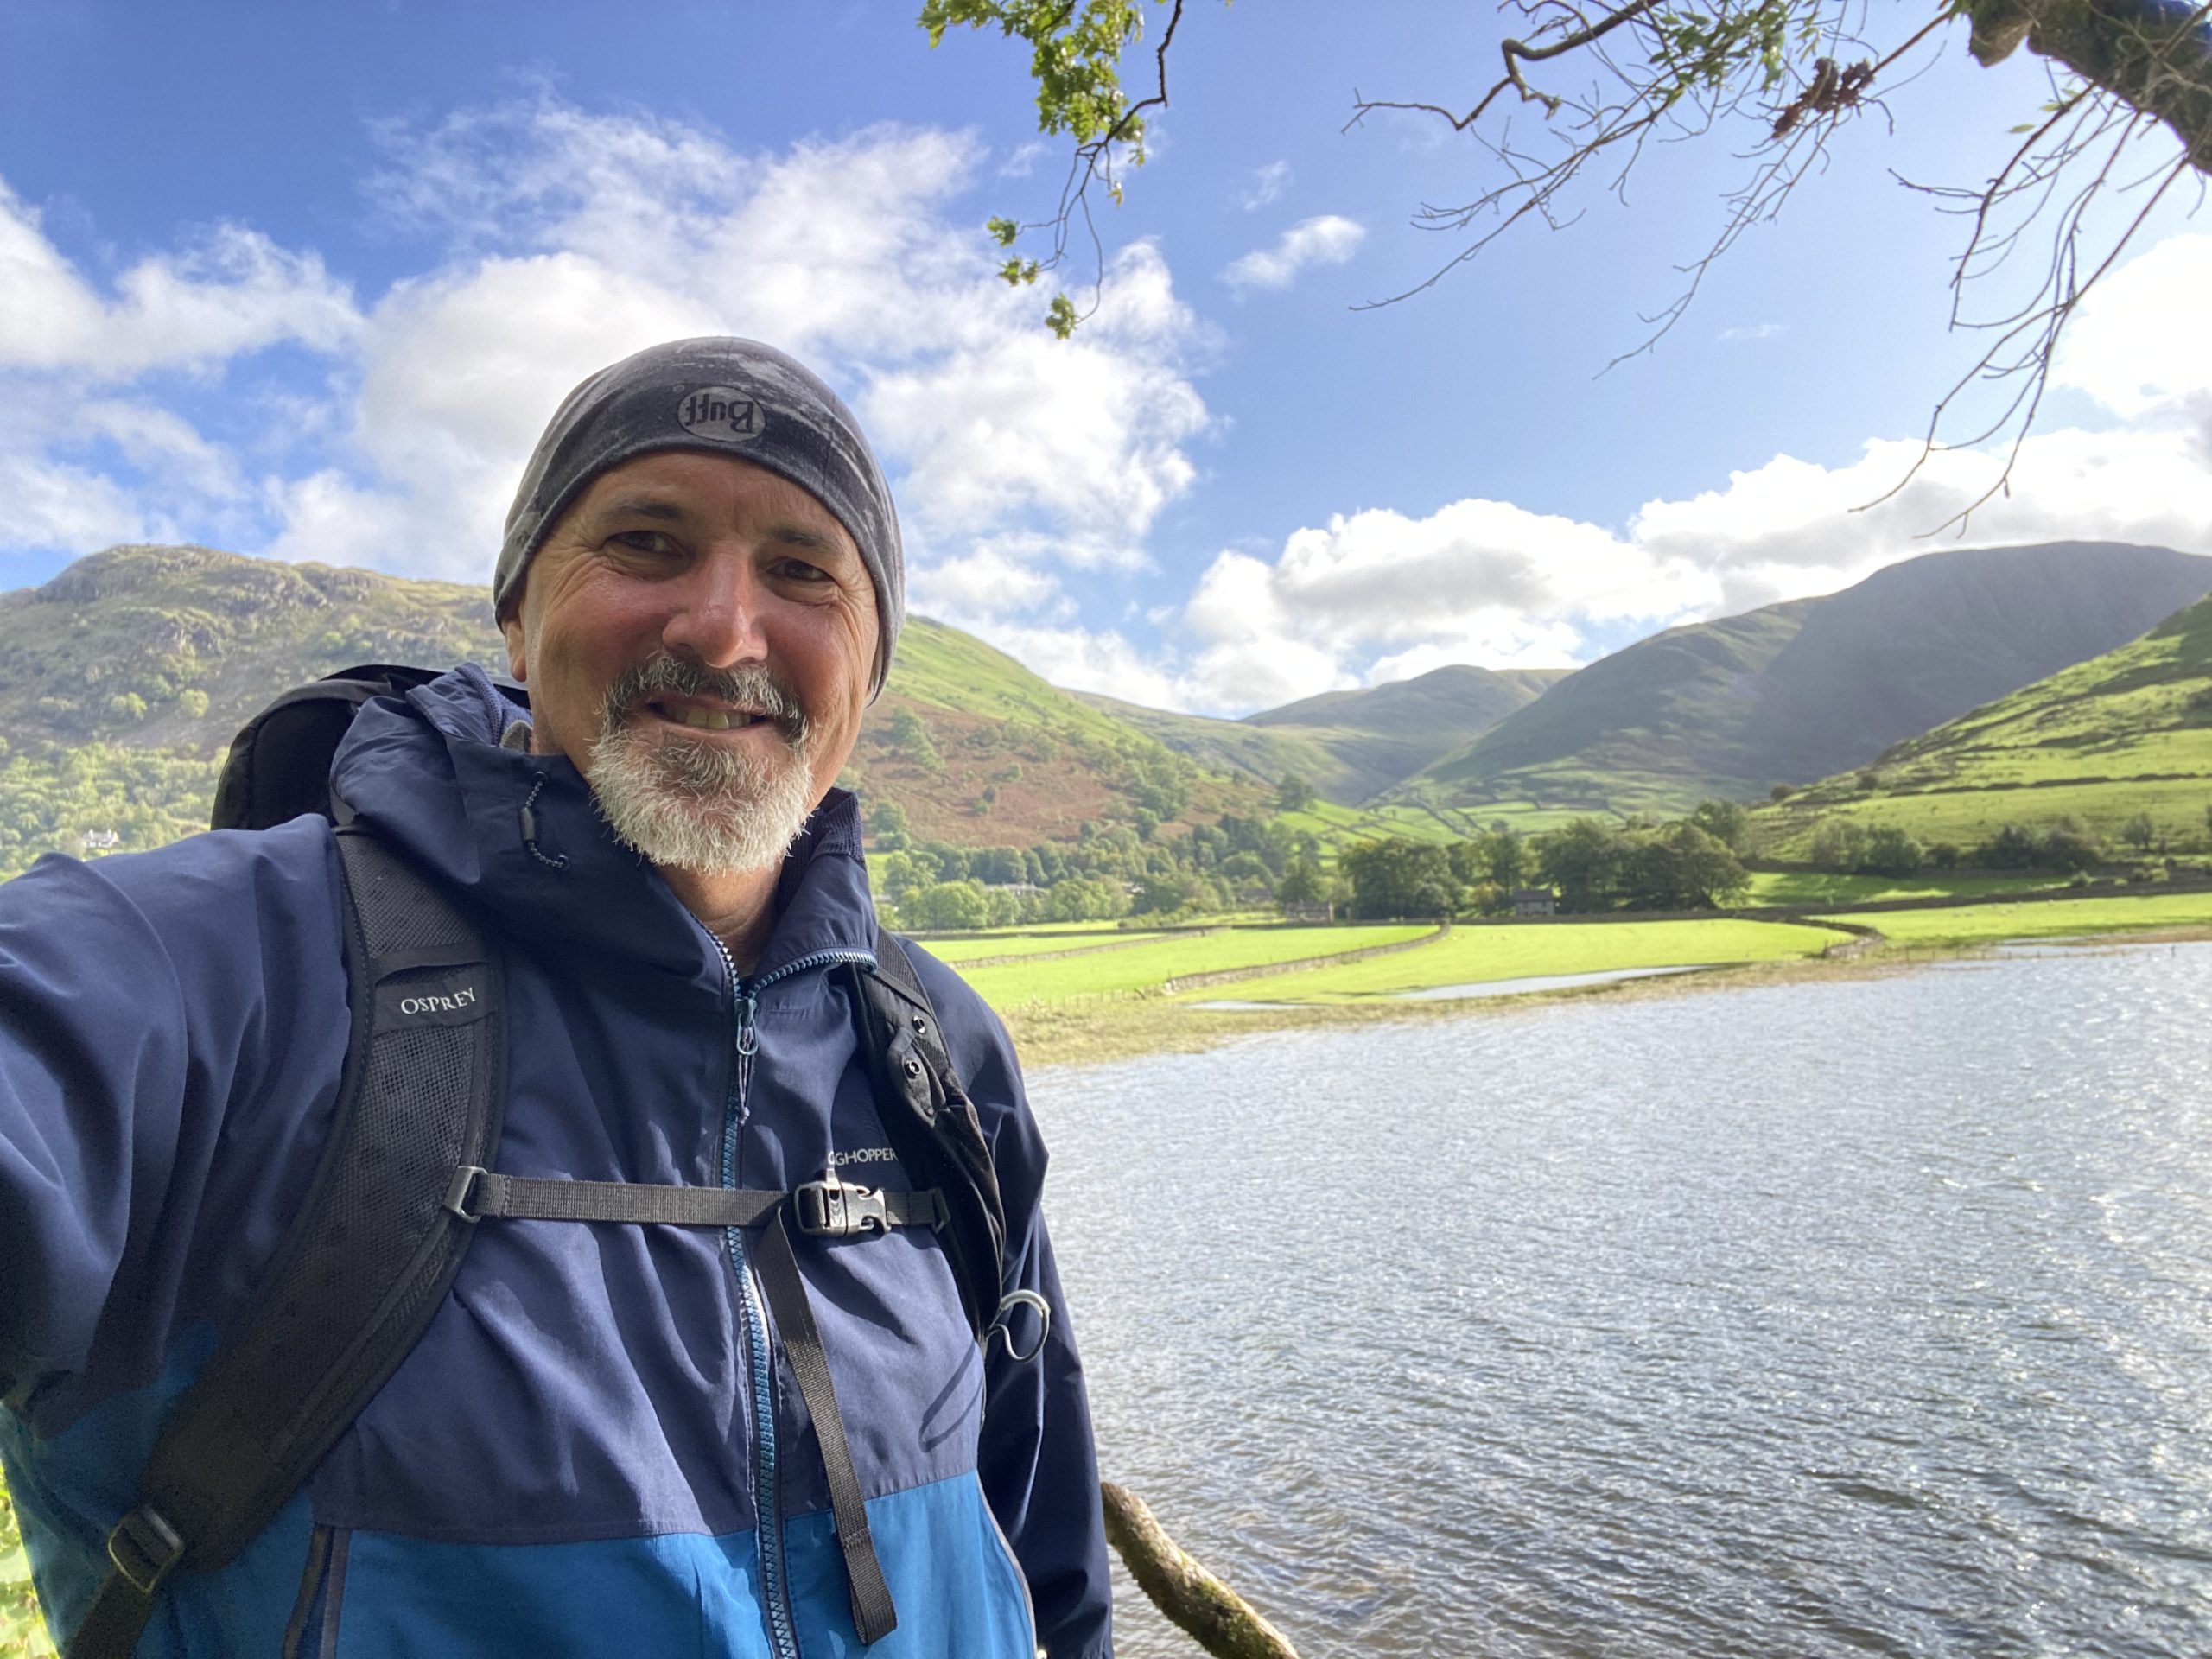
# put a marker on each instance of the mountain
(1797, 690)
(1350, 745)
(122, 679)
(2125, 732)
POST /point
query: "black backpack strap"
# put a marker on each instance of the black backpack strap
(278, 766)
(867, 1590)
(364, 1263)
(932, 1125)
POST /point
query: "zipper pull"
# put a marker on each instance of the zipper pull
(748, 1034)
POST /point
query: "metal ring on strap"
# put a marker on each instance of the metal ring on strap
(999, 1327)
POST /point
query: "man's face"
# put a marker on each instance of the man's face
(697, 634)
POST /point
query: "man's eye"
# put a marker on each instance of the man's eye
(650, 542)
(800, 570)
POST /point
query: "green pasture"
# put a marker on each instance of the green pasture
(1796, 888)
(1964, 816)
(969, 946)
(1474, 954)
(1107, 973)
(1525, 818)
(1989, 924)
(1336, 826)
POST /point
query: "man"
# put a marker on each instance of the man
(597, 1445)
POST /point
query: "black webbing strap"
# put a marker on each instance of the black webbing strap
(837, 1208)
(874, 1615)
(827, 1208)
(365, 1262)
(931, 1123)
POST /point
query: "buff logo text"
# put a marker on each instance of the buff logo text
(724, 413)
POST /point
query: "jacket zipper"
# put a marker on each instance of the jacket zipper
(775, 1582)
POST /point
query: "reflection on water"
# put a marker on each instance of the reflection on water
(1825, 1318)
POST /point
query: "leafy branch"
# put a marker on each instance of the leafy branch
(1075, 49)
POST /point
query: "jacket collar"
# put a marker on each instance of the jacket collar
(521, 834)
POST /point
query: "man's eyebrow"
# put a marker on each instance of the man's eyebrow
(799, 535)
(644, 506)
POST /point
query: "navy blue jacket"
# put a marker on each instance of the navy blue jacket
(597, 1447)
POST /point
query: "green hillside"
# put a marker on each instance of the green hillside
(1010, 760)
(1350, 745)
(2127, 732)
(1796, 692)
(123, 678)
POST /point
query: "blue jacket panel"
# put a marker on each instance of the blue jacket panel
(592, 1405)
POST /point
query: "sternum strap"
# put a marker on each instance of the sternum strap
(832, 1209)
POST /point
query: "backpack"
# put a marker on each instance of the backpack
(407, 1177)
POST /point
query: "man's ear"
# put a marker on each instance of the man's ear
(517, 656)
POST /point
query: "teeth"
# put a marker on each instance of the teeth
(706, 720)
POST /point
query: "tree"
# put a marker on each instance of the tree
(906, 733)
(1680, 867)
(1581, 862)
(1302, 883)
(1838, 844)
(1890, 851)
(1294, 794)
(1400, 877)
(1728, 823)
(2140, 831)
(1609, 82)
(948, 906)
(887, 823)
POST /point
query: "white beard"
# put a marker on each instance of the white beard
(695, 804)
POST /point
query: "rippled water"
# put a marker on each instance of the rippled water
(1861, 1316)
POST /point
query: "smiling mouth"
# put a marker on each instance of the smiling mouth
(702, 719)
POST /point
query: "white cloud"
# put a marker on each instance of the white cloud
(1375, 596)
(233, 291)
(1267, 185)
(1330, 239)
(570, 240)
(2140, 343)
(1755, 331)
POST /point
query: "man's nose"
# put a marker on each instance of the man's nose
(716, 620)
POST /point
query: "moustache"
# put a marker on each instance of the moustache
(750, 685)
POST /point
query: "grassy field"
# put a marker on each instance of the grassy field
(1473, 955)
(1964, 816)
(1798, 888)
(1990, 924)
(1109, 973)
(969, 946)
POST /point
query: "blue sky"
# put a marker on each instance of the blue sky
(306, 281)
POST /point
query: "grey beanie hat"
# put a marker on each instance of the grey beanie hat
(723, 396)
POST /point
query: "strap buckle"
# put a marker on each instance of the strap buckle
(465, 1182)
(833, 1208)
(145, 1549)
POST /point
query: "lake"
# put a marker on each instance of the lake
(1861, 1316)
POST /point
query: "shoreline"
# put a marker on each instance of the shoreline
(1053, 1036)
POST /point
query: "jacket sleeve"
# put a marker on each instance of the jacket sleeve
(139, 1030)
(1039, 1468)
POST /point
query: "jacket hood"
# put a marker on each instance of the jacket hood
(521, 835)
